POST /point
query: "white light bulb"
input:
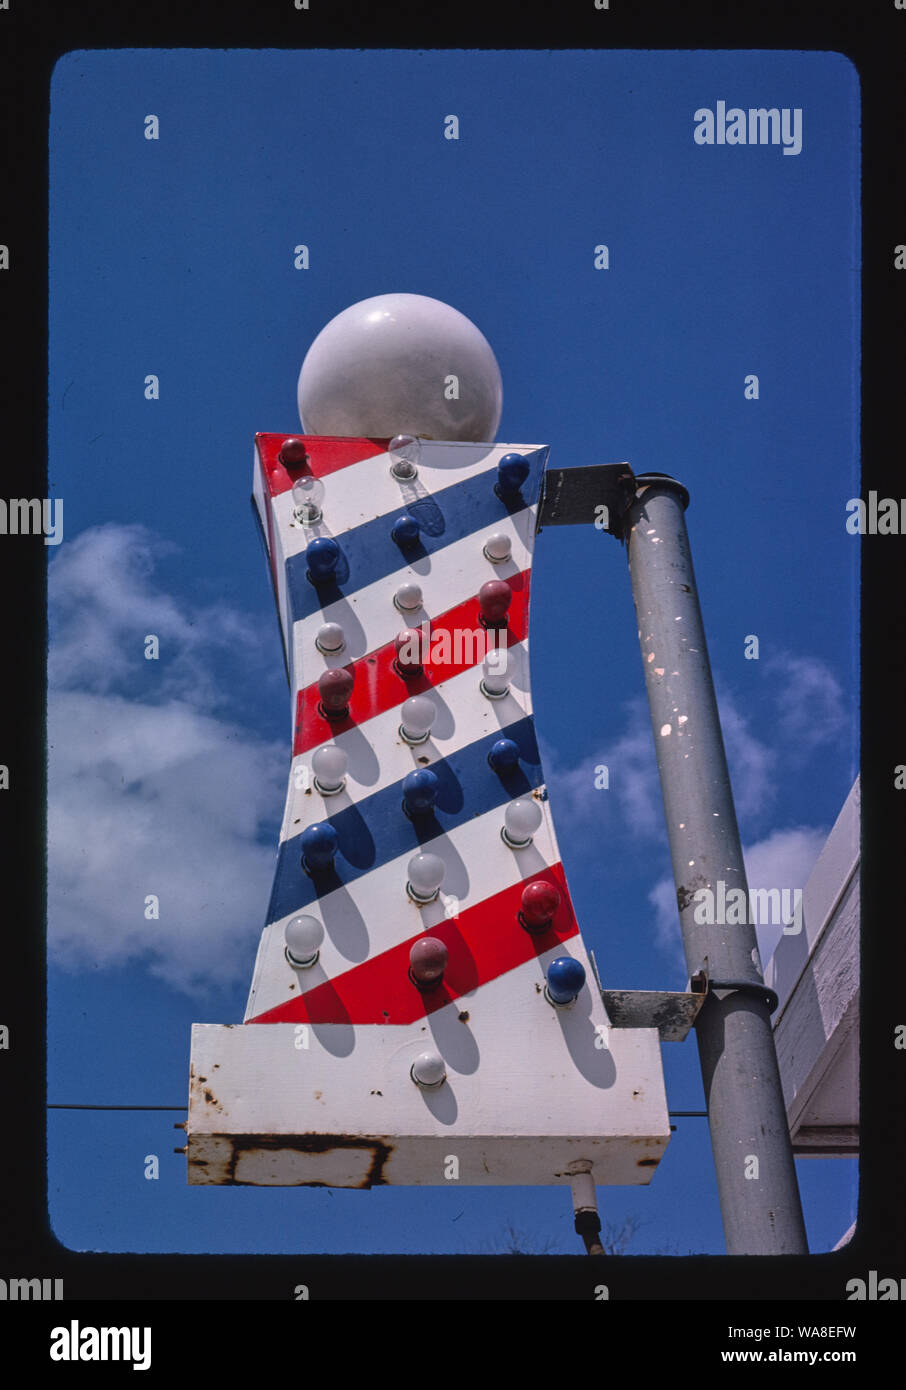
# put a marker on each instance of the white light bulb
(494, 682)
(498, 547)
(408, 597)
(520, 821)
(329, 765)
(330, 638)
(418, 714)
(303, 937)
(426, 874)
(308, 494)
(404, 450)
(428, 1069)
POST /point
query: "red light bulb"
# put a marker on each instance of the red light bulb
(540, 901)
(293, 453)
(494, 598)
(427, 962)
(335, 688)
(408, 646)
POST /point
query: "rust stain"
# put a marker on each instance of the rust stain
(310, 1144)
(464, 1016)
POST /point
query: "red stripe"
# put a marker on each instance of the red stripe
(484, 942)
(379, 686)
(326, 453)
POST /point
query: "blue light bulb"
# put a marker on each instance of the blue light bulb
(322, 556)
(319, 846)
(565, 977)
(504, 755)
(420, 791)
(405, 531)
(512, 471)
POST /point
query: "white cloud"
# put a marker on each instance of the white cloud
(784, 859)
(103, 603)
(809, 701)
(633, 786)
(751, 763)
(161, 798)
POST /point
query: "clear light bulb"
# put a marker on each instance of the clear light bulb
(308, 494)
(330, 638)
(494, 682)
(303, 937)
(418, 714)
(426, 874)
(329, 765)
(498, 547)
(520, 821)
(404, 450)
(428, 1070)
(408, 597)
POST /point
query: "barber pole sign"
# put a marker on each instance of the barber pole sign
(421, 993)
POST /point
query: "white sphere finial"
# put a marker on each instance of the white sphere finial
(384, 366)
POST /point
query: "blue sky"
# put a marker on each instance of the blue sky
(175, 257)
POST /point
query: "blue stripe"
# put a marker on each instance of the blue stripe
(367, 552)
(376, 830)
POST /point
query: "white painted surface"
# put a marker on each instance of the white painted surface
(526, 1092)
(816, 975)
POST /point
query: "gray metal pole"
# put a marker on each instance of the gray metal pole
(753, 1156)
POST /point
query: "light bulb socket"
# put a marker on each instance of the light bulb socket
(330, 651)
(401, 609)
(493, 624)
(333, 713)
(308, 515)
(328, 791)
(408, 673)
(568, 1004)
(425, 986)
(422, 898)
(514, 844)
(496, 559)
(403, 471)
(414, 739)
(492, 694)
(536, 929)
(427, 1085)
(297, 963)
